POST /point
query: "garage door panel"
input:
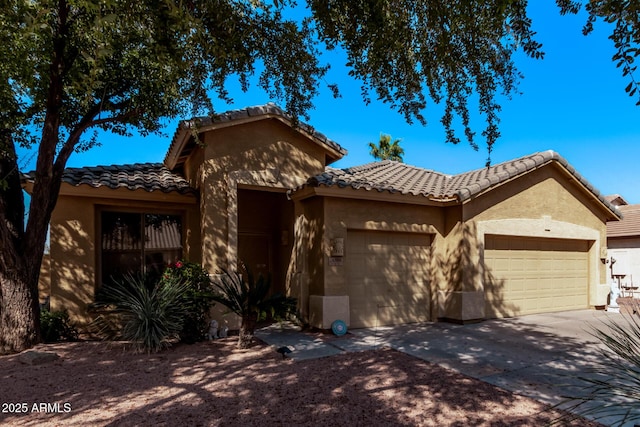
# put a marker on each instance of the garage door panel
(537, 275)
(387, 275)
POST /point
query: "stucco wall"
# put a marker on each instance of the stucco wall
(260, 154)
(543, 203)
(343, 214)
(75, 249)
(626, 252)
(73, 257)
(44, 281)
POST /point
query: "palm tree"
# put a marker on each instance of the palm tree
(387, 150)
(249, 298)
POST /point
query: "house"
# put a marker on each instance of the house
(377, 244)
(623, 241)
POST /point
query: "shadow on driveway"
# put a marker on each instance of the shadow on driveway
(540, 356)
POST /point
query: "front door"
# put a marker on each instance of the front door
(254, 249)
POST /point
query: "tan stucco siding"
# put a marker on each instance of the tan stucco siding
(545, 192)
(342, 215)
(75, 250)
(312, 240)
(73, 257)
(192, 166)
(44, 281)
(543, 204)
(262, 145)
(265, 154)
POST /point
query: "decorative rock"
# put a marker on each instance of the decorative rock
(32, 357)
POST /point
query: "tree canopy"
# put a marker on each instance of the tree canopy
(71, 67)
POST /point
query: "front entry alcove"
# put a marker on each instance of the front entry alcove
(265, 233)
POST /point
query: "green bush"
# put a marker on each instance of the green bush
(151, 318)
(198, 298)
(152, 313)
(55, 326)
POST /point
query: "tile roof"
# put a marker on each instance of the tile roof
(616, 200)
(401, 178)
(146, 176)
(186, 127)
(629, 225)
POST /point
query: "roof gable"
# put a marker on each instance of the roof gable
(183, 143)
(395, 177)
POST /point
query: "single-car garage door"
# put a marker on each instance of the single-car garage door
(387, 274)
(534, 275)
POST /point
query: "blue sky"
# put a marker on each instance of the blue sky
(572, 102)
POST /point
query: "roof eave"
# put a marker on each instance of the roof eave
(465, 195)
(348, 192)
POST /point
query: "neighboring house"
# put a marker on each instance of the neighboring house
(377, 244)
(623, 243)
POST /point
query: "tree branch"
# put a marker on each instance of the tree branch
(87, 122)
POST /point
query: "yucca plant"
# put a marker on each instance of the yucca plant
(249, 298)
(151, 317)
(613, 382)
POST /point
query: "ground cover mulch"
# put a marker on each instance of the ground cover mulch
(215, 384)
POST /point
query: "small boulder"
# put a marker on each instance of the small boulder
(32, 357)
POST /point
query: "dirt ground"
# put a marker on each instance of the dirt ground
(215, 384)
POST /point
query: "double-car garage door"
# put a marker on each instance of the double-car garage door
(535, 275)
(388, 277)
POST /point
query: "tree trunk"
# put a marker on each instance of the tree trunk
(19, 309)
(19, 315)
(247, 329)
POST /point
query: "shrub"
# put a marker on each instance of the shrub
(250, 300)
(198, 298)
(55, 326)
(151, 318)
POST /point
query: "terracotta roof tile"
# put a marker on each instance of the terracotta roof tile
(629, 225)
(146, 176)
(616, 200)
(401, 178)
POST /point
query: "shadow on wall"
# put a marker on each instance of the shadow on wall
(271, 163)
(388, 278)
(297, 276)
(73, 277)
(467, 289)
(263, 156)
(494, 302)
(44, 281)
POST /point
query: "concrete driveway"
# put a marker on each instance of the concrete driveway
(540, 356)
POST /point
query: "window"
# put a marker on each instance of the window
(135, 243)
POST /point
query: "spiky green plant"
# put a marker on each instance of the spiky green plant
(613, 382)
(151, 317)
(249, 298)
